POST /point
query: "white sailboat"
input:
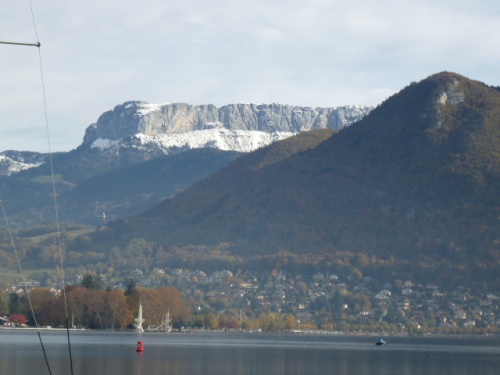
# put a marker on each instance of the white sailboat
(139, 321)
(164, 326)
(167, 322)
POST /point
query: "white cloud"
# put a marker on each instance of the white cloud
(98, 54)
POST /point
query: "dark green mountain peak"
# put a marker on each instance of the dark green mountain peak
(444, 129)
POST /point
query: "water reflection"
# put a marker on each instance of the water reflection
(225, 354)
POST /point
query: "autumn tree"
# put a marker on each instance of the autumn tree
(271, 322)
(96, 308)
(210, 321)
(290, 322)
(43, 302)
(151, 306)
(171, 301)
(76, 297)
(117, 314)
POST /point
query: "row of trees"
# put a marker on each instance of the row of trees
(101, 309)
(95, 308)
(268, 322)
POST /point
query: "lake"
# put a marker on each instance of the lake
(113, 353)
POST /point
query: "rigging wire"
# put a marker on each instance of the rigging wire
(56, 211)
(12, 242)
(54, 193)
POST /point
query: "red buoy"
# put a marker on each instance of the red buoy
(140, 346)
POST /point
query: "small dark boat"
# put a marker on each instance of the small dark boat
(380, 342)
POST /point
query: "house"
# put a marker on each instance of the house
(383, 294)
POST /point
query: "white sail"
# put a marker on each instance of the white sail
(139, 320)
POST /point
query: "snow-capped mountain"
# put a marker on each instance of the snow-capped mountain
(139, 154)
(16, 161)
(235, 127)
(147, 130)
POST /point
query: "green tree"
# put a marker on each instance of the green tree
(92, 282)
(338, 302)
(211, 321)
(131, 287)
(4, 302)
(14, 303)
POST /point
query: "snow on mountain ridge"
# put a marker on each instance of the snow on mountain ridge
(146, 108)
(9, 166)
(220, 138)
(238, 127)
(223, 139)
(103, 144)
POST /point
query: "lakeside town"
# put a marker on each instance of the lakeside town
(276, 301)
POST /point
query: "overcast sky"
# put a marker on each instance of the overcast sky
(97, 54)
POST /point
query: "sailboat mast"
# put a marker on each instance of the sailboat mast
(37, 44)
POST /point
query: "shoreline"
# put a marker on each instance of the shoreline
(292, 332)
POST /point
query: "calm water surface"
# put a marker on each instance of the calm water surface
(96, 353)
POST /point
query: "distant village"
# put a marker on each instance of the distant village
(326, 303)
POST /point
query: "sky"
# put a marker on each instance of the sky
(97, 54)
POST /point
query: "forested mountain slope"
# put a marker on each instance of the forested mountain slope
(417, 179)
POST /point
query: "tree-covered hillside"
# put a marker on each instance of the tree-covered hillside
(89, 183)
(416, 180)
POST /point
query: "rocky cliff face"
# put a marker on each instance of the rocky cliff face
(238, 127)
